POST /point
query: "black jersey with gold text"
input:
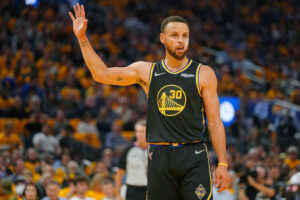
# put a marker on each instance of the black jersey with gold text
(175, 108)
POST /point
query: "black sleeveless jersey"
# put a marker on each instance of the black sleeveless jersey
(175, 108)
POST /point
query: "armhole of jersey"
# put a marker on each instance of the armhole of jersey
(150, 77)
(197, 79)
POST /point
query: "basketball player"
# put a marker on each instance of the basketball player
(179, 90)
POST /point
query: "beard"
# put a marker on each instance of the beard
(174, 54)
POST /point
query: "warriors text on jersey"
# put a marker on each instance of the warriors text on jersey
(175, 106)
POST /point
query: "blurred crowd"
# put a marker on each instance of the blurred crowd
(64, 133)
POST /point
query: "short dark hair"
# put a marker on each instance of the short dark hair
(53, 183)
(81, 178)
(174, 18)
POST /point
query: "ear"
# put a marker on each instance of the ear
(162, 38)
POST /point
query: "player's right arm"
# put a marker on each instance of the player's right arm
(137, 72)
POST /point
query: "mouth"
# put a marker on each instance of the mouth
(180, 49)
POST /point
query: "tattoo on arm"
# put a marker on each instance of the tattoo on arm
(119, 78)
(84, 43)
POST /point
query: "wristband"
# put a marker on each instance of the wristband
(223, 164)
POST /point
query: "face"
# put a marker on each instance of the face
(52, 191)
(108, 190)
(32, 155)
(101, 168)
(260, 176)
(176, 39)
(19, 166)
(140, 132)
(81, 187)
(30, 192)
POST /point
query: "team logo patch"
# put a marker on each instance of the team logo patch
(200, 191)
(171, 100)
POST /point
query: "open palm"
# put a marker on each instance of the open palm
(79, 21)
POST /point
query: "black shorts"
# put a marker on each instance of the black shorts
(136, 192)
(179, 173)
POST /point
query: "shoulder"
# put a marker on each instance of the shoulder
(207, 70)
(207, 75)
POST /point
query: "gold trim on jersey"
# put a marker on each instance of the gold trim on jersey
(197, 79)
(210, 192)
(171, 102)
(150, 77)
(177, 72)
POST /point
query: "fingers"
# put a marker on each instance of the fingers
(78, 10)
(82, 11)
(75, 11)
(217, 181)
(224, 184)
(71, 15)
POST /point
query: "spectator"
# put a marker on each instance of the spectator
(45, 141)
(46, 178)
(103, 125)
(108, 190)
(292, 161)
(81, 185)
(17, 111)
(86, 126)
(18, 166)
(115, 138)
(20, 184)
(67, 141)
(60, 122)
(255, 186)
(101, 169)
(6, 189)
(32, 162)
(30, 192)
(95, 190)
(9, 138)
(52, 191)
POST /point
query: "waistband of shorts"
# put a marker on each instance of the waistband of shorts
(173, 144)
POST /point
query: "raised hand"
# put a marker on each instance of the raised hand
(79, 21)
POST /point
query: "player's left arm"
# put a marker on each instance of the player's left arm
(208, 85)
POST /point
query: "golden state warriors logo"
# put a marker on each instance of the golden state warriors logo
(200, 191)
(171, 100)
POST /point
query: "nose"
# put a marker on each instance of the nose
(181, 40)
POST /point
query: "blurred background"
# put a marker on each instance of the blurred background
(54, 119)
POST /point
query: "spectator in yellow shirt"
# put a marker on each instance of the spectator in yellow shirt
(9, 138)
(292, 160)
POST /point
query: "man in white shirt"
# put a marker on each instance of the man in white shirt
(45, 141)
(81, 186)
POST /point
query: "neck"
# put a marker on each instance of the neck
(81, 196)
(173, 63)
